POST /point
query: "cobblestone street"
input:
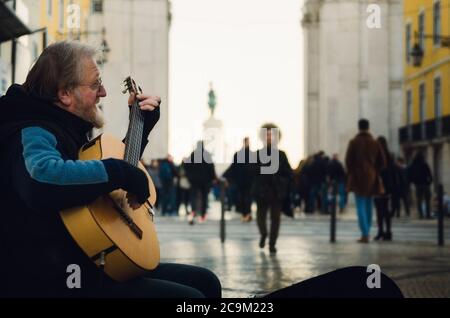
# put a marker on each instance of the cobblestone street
(413, 259)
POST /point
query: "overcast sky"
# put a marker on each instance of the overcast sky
(252, 52)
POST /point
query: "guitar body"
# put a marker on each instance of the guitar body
(124, 250)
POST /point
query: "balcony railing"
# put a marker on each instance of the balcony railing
(425, 131)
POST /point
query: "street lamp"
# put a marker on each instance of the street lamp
(417, 51)
(417, 55)
(105, 49)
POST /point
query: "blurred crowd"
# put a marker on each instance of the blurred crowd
(319, 183)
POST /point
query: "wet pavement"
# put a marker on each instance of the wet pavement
(413, 259)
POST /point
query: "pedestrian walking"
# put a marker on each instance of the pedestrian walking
(364, 160)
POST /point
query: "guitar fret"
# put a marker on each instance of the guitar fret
(134, 136)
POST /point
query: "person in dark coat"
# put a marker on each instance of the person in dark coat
(420, 175)
(153, 171)
(201, 175)
(382, 201)
(240, 173)
(317, 172)
(305, 184)
(402, 192)
(270, 188)
(364, 160)
(336, 175)
(168, 175)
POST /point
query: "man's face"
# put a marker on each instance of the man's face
(87, 94)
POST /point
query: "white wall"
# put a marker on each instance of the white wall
(360, 74)
(137, 33)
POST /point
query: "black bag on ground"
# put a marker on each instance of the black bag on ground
(348, 282)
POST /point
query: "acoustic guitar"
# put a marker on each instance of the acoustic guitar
(121, 241)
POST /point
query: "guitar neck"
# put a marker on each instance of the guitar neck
(133, 141)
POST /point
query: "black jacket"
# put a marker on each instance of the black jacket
(39, 176)
(420, 173)
(272, 183)
(335, 171)
(241, 170)
(200, 169)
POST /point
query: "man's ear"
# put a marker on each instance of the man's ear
(65, 97)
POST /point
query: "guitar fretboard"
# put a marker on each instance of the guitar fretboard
(133, 141)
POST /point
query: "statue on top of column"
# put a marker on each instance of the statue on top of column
(211, 99)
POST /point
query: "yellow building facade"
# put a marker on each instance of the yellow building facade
(427, 85)
(67, 19)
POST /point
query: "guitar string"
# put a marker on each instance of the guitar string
(134, 135)
(137, 134)
(132, 150)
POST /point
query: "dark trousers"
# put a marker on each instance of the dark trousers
(168, 281)
(168, 198)
(244, 200)
(423, 193)
(383, 214)
(396, 200)
(199, 199)
(275, 215)
(183, 198)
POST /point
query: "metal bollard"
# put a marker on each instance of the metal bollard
(440, 198)
(222, 215)
(333, 213)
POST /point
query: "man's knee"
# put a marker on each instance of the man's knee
(212, 287)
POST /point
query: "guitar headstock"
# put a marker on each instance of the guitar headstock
(130, 86)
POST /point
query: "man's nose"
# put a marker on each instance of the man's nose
(102, 91)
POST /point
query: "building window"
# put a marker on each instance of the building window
(436, 22)
(422, 102)
(437, 97)
(408, 43)
(49, 8)
(97, 6)
(61, 14)
(408, 107)
(409, 113)
(422, 108)
(438, 105)
(422, 30)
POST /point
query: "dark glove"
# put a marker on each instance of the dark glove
(128, 177)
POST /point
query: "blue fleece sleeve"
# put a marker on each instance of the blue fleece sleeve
(45, 164)
(47, 182)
